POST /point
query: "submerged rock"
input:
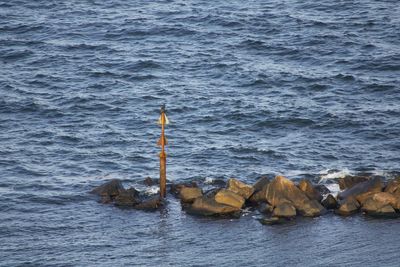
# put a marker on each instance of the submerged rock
(350, 181)
(150, 204)
(189, 194)
(209, 207)
(109, 190)
(150, 181)
(240, 188)
(285, 210)
(273, 220)
(307, 187)
(348, 207)
(229, 198)
(330, 202)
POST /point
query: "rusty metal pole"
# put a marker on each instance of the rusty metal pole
(163, 120)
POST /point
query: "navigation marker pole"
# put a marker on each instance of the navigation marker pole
(163, 120)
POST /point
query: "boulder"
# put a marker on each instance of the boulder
(282, 189)
(349, 181)
(205, 206)
(349, 206)
(176, 188)
(150, 204)
(307, 187)
(229, 198)
(393, 187)
(383, 198)
(110, 189)
(189, 194)
(261, 183)
(285, 210)
(376, 208)
(260, 188)
(330, 202)
(127, 198)
(373, 185)
(240, 188)
(322, 189)
(150, 182)
(265, 208)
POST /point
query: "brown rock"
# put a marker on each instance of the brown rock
(282, 189)
(349, 181)
(110, 189)
(261, 183)
(150, 182)
(348, 207)
(285, 210)
(265, 208)
(307, 187)
(373, 185)
(393, 187)
(189, 194)
(378, 208)
(240, 188)
(330, 202)
(209, 207)
(229, 198)
(176, 188)
(273, 220)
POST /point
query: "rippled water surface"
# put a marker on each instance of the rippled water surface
(251, 87)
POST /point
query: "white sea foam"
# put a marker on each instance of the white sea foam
(152, 190)
(208, 180)
(326, 175)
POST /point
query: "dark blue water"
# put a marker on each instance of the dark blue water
(302, 88)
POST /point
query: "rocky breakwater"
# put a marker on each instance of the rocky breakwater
(278, 200)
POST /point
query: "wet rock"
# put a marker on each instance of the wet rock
(260, 189)
(265, 208)
(261, 183)
(240, 188)
(379, 200)
(209, 207)
(393, 187)
(150, 181)
(330, 202)
(349, 181)
(282, 189)
(349, 206)
(150, 204)
(128, 198)
(110, 189)
(176, 188)
(373, 185)
(189, 194)
(273, 221)
(285, 210)
(377, 208)
(217, 182)
(322, 189)
(307, 187)
(229, 198)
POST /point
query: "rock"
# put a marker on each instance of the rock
(240, 188)
(379, 200)
(229, 198)
(273, 221)
(349, 181)
(330, 202)
(209, 207)
(393, 187)
(377, 208)
(189, 194)
(150, 182)
(265, 208)
(282, 189)
(150, 204)
(349, 206)
(261, 183)
(110, 189)
(176, 188)
(322, 189)
(128, 197)
(373, 185)
(217, 182)
(307, 187)
(285, 210)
